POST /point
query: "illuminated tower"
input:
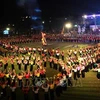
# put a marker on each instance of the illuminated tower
(93, 21)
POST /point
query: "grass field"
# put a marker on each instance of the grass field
(91, 86)
(61, 45)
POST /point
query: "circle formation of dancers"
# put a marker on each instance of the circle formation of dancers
(25, 67)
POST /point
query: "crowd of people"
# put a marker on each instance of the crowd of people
(80, 38)
(26, 67)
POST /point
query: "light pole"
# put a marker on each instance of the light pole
(94, 16)
(68, 26)
(8, 29)
(84, 18)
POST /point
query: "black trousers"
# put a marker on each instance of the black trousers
(36, 95)
(51, 94)
(46, 96)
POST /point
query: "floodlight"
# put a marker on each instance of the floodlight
(94, 15)
(68, 25)
(85, 16)
(8, 29)
(43, 22)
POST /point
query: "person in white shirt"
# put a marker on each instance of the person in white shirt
(83, 70)
(76, 76)
(36, 92)
(74, 72)
(98, 71)
(46, 90)
(65, 81)
(70, 78)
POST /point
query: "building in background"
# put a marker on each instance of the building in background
(92, 21)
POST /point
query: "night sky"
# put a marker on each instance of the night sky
(50, 8)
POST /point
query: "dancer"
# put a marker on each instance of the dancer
(98, 71)
(44, 42)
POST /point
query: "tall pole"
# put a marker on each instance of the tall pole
(95, 23)
(62, 31)
(68, 30)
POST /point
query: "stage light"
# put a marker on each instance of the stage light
(43, 22)
(37, 10)
(88, 16)
(8, 29)
(26, 16)
(75, 25)
(85, 16)
(34, 18)
(94, 15)
(68, 25)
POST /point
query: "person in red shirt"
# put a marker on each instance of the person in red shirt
(42, 72)
(1, 77)
(27, 76)
(25, 90)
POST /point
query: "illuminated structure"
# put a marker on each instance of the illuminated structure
(6, 31)
(93, 21)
